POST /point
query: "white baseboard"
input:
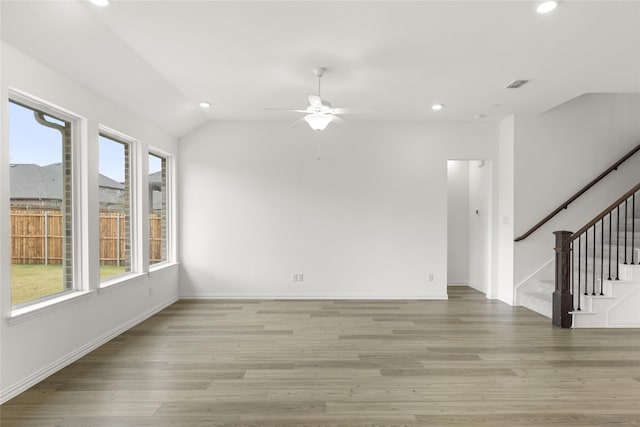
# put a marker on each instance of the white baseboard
(307, 296)
(505, 300)
(624, 324)
(477, 288)
(21, 386)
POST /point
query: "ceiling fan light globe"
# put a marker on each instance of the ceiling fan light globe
(318, 121)
(546, 7)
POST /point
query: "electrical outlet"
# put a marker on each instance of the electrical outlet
(431, 277)
(300, 277)
(294, 277)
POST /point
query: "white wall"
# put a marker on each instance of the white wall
(366, 220)
(458, 222)
(37, 346)
(480, 221)
(505, 233)
(560, 151)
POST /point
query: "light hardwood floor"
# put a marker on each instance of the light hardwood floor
(468, 361)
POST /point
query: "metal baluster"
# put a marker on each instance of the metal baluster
(593, 273)
(586, 271)
(579, 264)
(571, 270)
(626, 213)
(609, 278)
(601, 254)
(618, 243)
(633, 227)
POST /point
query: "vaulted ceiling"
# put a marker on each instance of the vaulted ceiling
(393, 58)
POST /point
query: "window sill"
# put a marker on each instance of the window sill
(162, 266)
(116, 282)
(38, 309)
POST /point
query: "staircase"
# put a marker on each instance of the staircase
(619, 304)
(607, 303)
(597, 287)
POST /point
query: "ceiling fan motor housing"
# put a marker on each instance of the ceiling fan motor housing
(319, 71)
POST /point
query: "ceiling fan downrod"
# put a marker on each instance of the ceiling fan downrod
(319, 72)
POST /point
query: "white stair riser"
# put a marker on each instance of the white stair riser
(619, 308)
(630, 272)
(586, 320)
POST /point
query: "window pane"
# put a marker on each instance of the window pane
(157, 209)
(41, 205)
(115, 207)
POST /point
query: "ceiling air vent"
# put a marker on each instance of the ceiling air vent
(516, 84)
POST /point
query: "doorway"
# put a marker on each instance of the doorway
(469, 224)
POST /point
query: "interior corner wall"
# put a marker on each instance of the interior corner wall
(36, 347)
(505, 231)
(360, 210)
(458, 222)
(479, 217)
(559, 152)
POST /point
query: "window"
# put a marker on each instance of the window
(41, 194)
(114, 187)
(157, 208)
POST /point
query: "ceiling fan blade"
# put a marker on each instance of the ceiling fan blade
(284, 109)
(339, 120)
(315, 101)
(297, 122)
(351, 111)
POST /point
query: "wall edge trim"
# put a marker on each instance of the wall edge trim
(307, 296)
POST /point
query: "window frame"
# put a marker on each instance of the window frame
(79, 286)
(135, 227)
(170, 210)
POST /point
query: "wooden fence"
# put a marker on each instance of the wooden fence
(36, 237)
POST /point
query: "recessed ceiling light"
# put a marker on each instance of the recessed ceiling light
(437, 107)
(547, 6)
(205, 104)
(100, 2)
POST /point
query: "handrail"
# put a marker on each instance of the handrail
(578, 194)
(605, 212)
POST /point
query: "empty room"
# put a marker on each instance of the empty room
(319, 213)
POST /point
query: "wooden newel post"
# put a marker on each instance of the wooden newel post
(562, 298)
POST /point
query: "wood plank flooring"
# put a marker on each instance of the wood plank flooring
(468, 361)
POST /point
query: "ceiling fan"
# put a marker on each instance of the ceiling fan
(319, 113)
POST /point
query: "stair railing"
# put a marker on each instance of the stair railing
(581, 264)
(583, 190)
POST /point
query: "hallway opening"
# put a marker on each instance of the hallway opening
(469, 224)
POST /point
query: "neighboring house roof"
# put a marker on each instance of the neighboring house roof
(103, 181)
(155, 178)
(31, 181)
(106, 182)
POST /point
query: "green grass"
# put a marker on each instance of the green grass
(29, 282)
(107, 271)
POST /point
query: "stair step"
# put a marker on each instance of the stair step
(541, 303)
(586, 319)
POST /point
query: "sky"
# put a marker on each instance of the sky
(30, 142)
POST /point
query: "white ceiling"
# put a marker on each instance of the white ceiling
(161, 58)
